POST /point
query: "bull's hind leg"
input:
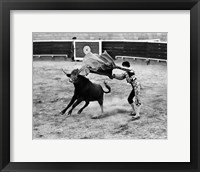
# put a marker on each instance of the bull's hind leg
(101, 106)
(86, 104)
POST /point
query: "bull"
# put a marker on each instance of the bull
(84, 90)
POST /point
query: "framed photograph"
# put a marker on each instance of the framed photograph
(99, 85)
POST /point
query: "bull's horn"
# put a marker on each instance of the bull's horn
(80, 70)
(64, 72)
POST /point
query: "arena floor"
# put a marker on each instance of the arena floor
(52, 92)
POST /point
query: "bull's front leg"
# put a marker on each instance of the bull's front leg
(86, 104)
(70, 103)
(74, 105)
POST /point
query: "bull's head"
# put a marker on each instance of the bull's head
(73, 77)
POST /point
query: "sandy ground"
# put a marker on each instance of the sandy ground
(52, 92)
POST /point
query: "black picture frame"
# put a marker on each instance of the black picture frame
(7, 5)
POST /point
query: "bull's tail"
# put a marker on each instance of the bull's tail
(108, 87)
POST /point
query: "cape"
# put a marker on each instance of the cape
(99, 64)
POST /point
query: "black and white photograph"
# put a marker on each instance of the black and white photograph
(99, 85)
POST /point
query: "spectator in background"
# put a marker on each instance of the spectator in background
(72, 48)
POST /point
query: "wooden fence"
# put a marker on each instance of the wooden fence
(148, 50)
(136, 49)
(52, 49)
